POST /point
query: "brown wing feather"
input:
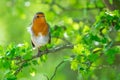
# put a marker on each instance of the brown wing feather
(32, 43)
(49, 34)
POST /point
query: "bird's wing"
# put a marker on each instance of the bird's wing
(32, 43)
(49, 34)
(30, 31)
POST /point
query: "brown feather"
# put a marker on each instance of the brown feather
(40, 26)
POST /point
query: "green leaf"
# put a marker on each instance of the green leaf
(43, 58)
(81, 69)
(104, 40)
(10, 76)
(117, 26)
(110, 59)
(95, 37)
(26, 64)
(43, 48)
(1, 51)
(93, 57)
(97, 49)
(110, 53)
(111, 1)
(27, 56)
(74, 65)
(50, 45)
(35, 62)
(6, 63)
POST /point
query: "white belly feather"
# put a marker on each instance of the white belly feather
(38, 40)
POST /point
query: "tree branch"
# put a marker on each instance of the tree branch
(110, 6)
(41, 53)
(19, 69)
(70, 8)
(117, 43)
(67, 46)
(48, 51)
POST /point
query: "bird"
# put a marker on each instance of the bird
(40, 31)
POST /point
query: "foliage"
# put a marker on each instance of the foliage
(89, 34)
(11, 56)
(99, 41)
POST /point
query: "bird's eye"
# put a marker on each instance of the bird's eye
(37, 16)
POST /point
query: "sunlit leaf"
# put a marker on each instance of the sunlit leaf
(93, 57)
(74, 65)
(43, 58)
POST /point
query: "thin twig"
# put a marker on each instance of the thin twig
(19, 69)
(56, 68)
(46, 77)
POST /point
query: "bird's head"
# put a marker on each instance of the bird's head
(39, 18)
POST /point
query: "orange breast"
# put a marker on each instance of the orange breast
(40, 28)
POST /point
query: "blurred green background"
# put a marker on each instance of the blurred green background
(17, 15)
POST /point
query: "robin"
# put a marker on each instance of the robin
(40, 31)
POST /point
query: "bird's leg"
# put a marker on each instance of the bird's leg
(46, 48)
(39, 51)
